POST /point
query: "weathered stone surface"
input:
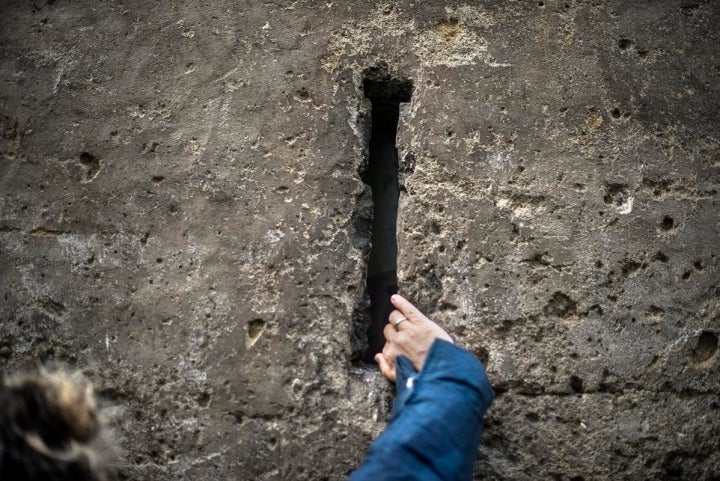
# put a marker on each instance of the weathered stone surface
(182, 218)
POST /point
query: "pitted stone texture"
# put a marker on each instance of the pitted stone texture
(182, 218)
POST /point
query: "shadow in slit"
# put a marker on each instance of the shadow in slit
(381, 175)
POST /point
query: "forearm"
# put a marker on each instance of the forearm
(437, 421)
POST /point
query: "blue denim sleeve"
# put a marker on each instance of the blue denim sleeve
(436, 424)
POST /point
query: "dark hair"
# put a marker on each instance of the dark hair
(49, 429)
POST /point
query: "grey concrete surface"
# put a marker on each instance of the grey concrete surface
(182, 218)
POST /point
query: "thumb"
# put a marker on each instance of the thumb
(387, 370)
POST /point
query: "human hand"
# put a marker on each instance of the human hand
(412, 337)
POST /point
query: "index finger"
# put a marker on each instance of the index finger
(404, 306)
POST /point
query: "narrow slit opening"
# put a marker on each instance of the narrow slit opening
(381, 175)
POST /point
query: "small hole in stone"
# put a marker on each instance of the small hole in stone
(302, 94)
(660, 256)
(255, 328)
(707, 345)
(576, 383)
(667, 223)
(625, 43)
(203, 399)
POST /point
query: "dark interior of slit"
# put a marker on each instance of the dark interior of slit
(381, 175)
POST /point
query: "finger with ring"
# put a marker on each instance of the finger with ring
(400, 321)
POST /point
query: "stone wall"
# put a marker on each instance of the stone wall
(182, 218)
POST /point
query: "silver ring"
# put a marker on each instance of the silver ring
(401, 320)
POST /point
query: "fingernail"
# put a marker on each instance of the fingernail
(394, 297)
